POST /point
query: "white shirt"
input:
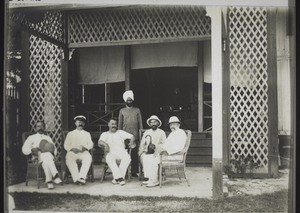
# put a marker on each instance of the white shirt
(115, 141)
(78, 139)
(158, 137)
(175, 141)
(33, 141)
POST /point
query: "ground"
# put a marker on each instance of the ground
(241, 186)
(245, 195)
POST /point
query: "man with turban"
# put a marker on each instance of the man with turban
(130, 120)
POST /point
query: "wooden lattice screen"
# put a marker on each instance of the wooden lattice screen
(108, 26)
(47, 23)
(45, 87)
(248, 84)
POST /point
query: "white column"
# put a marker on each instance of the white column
(217, 103)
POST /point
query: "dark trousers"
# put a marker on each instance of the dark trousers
(134, 161)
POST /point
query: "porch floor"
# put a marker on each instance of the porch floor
(200, 179)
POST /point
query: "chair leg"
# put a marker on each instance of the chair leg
(188, 183)
(104, 171)
(178, 174)
(38, 177)
(160, 175)
(92, 173)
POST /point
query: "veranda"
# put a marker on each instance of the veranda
(243, 69)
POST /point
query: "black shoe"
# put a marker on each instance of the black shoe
(144, 179)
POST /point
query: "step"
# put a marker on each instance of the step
(201, 142)
(199, 163)
(200, 135)
(206, 158)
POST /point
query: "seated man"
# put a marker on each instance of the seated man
(113, 141)
(174, 144)
(77, 144)
(32, 146)
(154, 136)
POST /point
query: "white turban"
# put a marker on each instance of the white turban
(128, 94)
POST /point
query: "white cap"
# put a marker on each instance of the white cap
(153, 117)
(80, 117)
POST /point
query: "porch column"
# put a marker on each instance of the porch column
(217, 99)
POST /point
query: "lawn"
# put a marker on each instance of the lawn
(274, 202)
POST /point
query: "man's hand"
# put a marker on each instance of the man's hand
(75, 150)
(35, 151)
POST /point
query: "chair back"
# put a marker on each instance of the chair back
(187, 143)
(25, 135)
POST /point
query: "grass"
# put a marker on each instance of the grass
(274, 202)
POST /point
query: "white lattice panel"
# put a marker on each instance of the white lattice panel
(49, 23)
(248, 83)
(137, 24)
(45, 87)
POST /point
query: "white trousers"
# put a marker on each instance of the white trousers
(118, 171)
(47, 160)
(86, 160)
(150, 164)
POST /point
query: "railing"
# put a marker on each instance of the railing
(208, 104)
(98, 115)
(12, 91)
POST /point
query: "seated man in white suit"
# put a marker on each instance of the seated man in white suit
(174, 144)
(114, 142)
(32, 146)
(77, 144)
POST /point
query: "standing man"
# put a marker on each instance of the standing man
(77, 144)
(155, 136)
(114, 142)
(130, 120)
(173, 146)
(32, 146)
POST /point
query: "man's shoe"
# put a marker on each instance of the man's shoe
(152, 184)
(122, 182)
(146, 182)
(114, 181)
(50, 185)
(145, 179)
(57, 180)
(81, 181)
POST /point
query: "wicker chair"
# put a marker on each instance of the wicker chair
(178, 165)
(34, 167)
(106, 167)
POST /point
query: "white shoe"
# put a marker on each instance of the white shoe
(50, 185)
(146, 182)
(122, 183)
(57, 180)
(115, 182)
(152, 184)
(81, 180)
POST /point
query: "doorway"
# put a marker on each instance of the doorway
(166, 92)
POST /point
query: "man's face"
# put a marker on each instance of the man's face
(40, 127)
(174, 126)
(112, 125)
(129, 102)
(154, 124)
(79, 124)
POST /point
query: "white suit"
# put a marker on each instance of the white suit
(78, 139)
(175, 142)
(117, 151)
(158, 137)
(46, 158)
